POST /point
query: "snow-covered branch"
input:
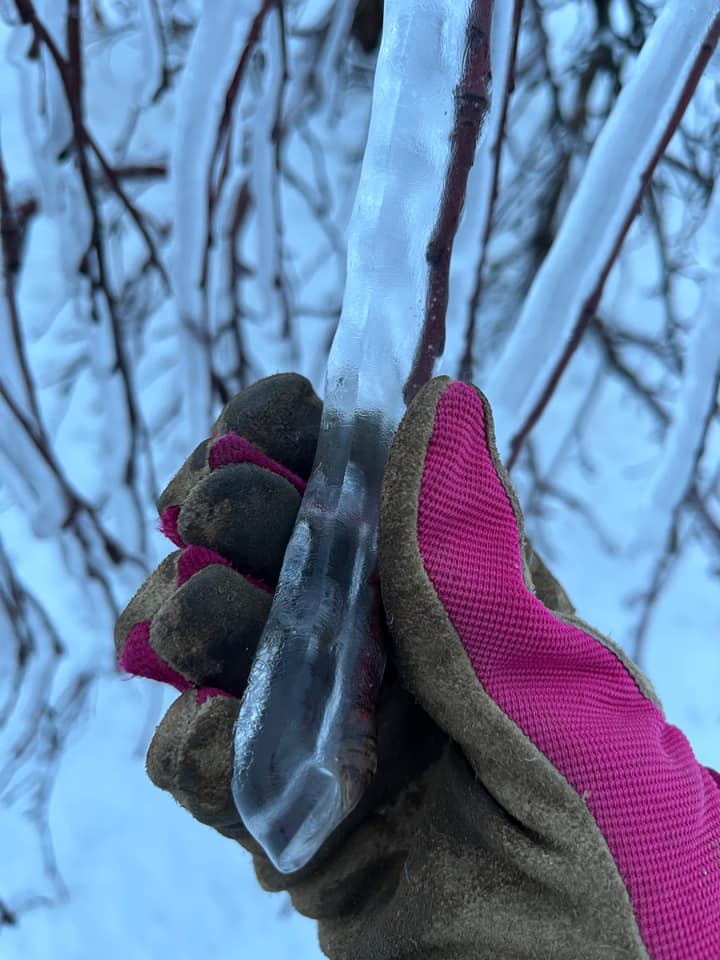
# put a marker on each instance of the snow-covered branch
(674, 489)
(567, 290)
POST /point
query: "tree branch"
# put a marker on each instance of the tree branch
(472, 100)
(467, 363)
(589, 307)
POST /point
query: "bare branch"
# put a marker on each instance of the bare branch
(467, 364)
(471, 107)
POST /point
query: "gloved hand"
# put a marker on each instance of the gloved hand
(530, 800)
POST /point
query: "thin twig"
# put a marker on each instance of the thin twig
(70, 73)
(466, 363)
(471, 108)
(220, 155)
(10, 248)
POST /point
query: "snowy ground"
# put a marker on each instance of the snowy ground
(144, 880)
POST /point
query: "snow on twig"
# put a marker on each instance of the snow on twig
(326, 71)
(266, 135)
(20, 381)
(70, 73)
(200, 163)
(567, 288)
(683, 442)
(156, 53)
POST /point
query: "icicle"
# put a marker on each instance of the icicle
(304, 746)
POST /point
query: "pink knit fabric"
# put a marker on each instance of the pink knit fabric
(194, 559)
(230, 448)
(168, 525)
(657, 808)
(139, 658)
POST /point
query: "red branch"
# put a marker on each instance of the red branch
(70, 73)
(471, 107)
(466, 364)
(221, 147)
(590, 306)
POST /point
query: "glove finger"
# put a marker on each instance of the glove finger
(153, 592)
(278, 416)
(191, 756)
(208, 630)
(195, 623)
(245, 513)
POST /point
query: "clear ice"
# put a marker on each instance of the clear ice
(305, 735)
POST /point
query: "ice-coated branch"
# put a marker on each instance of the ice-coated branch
(31, 468)
(694, 407)
(608, 342)
(219, 165)
(70, 73)
(325, 72)
(266, 136)
(42, 489)
(93, 261)
(472, 101)
(13, 349)
(224, 40)
(567, 288)
(154, 41)
(27, 670)
(674, 485)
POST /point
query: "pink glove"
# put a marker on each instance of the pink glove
(543, 694)
(530, 800)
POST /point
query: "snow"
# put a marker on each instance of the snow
(144, 880)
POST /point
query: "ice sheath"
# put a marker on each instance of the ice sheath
(304, 739)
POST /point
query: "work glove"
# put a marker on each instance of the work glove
(530, 800)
